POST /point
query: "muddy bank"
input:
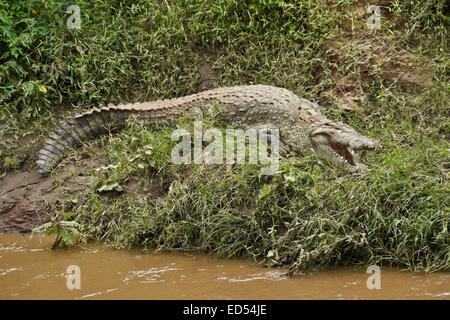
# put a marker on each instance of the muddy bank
(27, 198)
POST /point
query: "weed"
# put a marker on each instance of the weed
(67, 232)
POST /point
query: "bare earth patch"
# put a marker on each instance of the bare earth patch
(374, 58)
(23, 198)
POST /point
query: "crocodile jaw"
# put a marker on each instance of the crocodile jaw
(336, 144)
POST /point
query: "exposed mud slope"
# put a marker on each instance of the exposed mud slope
(28, 198)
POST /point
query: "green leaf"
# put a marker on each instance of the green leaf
(75, 232)
(41, 227)
(70, 224)
(66, 236)
(266, 190)
(51, 230)
(110, 187)
(65, 214)
(289, 178)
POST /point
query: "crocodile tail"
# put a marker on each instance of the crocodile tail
(72, 132)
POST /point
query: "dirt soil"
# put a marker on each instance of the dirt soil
(27, 198)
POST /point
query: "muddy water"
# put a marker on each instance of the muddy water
(28, 270)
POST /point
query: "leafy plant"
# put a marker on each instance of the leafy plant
(67, 232)
(107, 181)
(20, 29)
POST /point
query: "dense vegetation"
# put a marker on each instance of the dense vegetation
(391, 84)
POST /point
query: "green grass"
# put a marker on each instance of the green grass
(309, 215)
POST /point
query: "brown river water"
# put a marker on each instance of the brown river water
(29, 270)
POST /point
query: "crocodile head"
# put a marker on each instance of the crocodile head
(336, 142)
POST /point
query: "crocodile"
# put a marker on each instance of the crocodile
(302, 125)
